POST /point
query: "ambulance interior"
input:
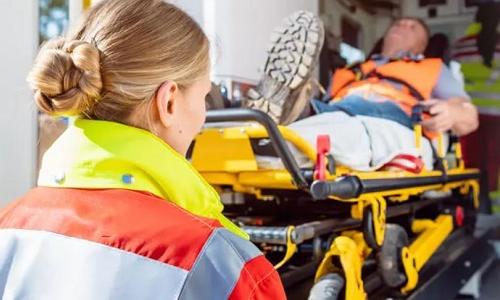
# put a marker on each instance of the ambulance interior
(276, 213)
(435, 225)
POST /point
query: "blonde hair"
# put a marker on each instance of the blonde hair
(117, 58)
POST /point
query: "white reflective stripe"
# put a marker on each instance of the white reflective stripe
(485, 95)
(44, 265)
(218, 267)
(489, 111)
(245, 249)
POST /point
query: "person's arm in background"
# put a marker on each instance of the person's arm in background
(451, 108)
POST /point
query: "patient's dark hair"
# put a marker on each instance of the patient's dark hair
(439, 47)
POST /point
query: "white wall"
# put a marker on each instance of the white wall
(19, 32)
(240, 31)
(193, 7)
(372, 28)
(452, 18)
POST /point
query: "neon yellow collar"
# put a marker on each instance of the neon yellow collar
(107, 155)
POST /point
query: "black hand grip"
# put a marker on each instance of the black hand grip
(345, 188)
(278, 142)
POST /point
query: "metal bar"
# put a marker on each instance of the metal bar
(379, 185)
(456, 260)
(297, 274)
(279, 144)
(406, 208)
(349, 187)
(430, 239)
(268, 234)
(303, 232)
(458, 265)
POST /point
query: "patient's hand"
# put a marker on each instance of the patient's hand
(456, 114)
(442, 114)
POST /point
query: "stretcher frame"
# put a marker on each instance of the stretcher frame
(372, 197)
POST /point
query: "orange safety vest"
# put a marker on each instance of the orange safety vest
(416, 77)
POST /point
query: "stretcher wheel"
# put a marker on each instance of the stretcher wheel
(389, 260)
(368, 229)
(328, 287)
(464, 205)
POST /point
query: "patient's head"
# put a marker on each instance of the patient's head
(407, 34)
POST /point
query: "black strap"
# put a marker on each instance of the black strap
(416, 117)
(438, 161)
(413, 91)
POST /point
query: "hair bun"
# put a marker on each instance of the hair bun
(66, 77)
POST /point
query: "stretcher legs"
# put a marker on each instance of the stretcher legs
(345, 258)
(398, 260)
(431, 235)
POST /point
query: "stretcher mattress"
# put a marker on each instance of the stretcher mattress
(360, 143)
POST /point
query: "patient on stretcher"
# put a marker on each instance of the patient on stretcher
(369, 115)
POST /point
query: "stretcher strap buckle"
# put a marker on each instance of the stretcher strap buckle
(407, 163)
(323, 159)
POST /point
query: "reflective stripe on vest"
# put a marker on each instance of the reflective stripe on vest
(58, 243)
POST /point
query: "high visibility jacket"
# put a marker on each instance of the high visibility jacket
(118, 214)
(481, 82)
(415, 80)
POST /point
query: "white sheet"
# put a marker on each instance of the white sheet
(361, 143)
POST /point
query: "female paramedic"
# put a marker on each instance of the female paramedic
(118, 212)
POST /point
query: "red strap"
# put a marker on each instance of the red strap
(322, 150)
(418, 164)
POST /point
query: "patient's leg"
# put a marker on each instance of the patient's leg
(360, 142)
(286, 87)
(349, 138)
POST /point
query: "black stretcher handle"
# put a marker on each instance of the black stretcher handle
(351, 186)
(278, 142)
(347, 187)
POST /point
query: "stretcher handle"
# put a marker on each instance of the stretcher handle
(347, 187)
(278, 142)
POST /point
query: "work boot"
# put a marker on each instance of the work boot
(286, 86)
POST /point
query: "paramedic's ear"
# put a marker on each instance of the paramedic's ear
(165, 102)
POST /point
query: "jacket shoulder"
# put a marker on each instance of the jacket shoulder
(128, 220)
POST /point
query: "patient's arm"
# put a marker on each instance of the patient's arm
(456, 114)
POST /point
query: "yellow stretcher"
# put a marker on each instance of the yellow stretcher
(331, 219)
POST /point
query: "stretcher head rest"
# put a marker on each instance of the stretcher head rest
(223, 150)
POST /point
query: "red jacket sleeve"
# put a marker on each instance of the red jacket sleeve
(258, 280)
